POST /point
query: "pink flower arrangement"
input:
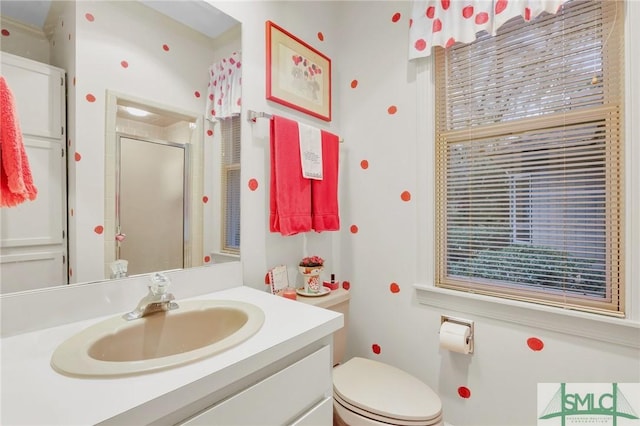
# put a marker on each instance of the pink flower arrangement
(312, 261)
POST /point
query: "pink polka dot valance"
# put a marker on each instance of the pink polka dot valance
(224, 98)
(445, 22)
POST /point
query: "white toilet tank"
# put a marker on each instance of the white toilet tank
(336, 300)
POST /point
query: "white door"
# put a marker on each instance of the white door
(151, 205)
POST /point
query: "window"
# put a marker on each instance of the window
(230, 224)
(529, 160)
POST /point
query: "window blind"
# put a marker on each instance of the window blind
(230, 129)
(529, 160)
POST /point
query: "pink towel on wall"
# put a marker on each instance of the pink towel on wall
(324, 193)
(290, 201)
(16, 182)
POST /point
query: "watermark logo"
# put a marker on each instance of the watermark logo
(615, 404)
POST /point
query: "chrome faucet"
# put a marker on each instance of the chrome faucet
(157, 300)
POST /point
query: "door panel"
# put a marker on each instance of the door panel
(39, 221)
(31, 80)
(151, 205)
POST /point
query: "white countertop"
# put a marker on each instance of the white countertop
(34, 394)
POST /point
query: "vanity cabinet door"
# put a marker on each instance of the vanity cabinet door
(318, 415)
(282, 398)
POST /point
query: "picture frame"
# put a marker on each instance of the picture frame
(298, 76)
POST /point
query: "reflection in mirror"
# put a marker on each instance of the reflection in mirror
(152, 146)
(109, 54)
(141, 162)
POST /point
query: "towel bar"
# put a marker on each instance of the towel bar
(252, 116)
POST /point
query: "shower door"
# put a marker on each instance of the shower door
(150, 204)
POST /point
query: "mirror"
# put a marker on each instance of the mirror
(150, 54)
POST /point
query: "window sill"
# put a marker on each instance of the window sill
(222, 257)
(618, 331)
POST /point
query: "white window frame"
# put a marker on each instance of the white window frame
(226, 169)
(215, 207)
(514, 206)
(621, 331)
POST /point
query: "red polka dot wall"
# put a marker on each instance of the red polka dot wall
(376, 349)
(535, 344)
(464, 392)
(127, 66)
(392, 110)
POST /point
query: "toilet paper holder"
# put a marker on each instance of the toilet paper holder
(461, 321)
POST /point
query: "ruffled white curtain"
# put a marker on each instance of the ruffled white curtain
(445, 22)
(224, 98)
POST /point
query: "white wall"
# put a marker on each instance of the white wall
(380, 260)
(226, 45)
(119, 48)
(116, 32)
(261, 249)
(26, 41)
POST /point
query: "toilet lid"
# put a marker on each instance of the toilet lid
(385, 390)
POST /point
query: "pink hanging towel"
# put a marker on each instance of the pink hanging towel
(324, 193)
(16, 182)
(290, 202)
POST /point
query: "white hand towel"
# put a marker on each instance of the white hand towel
(310, 151)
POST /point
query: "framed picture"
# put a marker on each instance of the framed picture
(298, 75)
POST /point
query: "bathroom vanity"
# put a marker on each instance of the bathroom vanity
(280, 375)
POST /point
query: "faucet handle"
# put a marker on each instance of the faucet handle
(159, 283)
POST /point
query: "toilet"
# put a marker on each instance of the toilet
(368, 392)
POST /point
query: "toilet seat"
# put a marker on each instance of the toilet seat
(352, 416)
(384, 394)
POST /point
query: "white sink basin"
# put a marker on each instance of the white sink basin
(196, 330)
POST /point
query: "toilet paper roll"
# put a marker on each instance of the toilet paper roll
(455, 337)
